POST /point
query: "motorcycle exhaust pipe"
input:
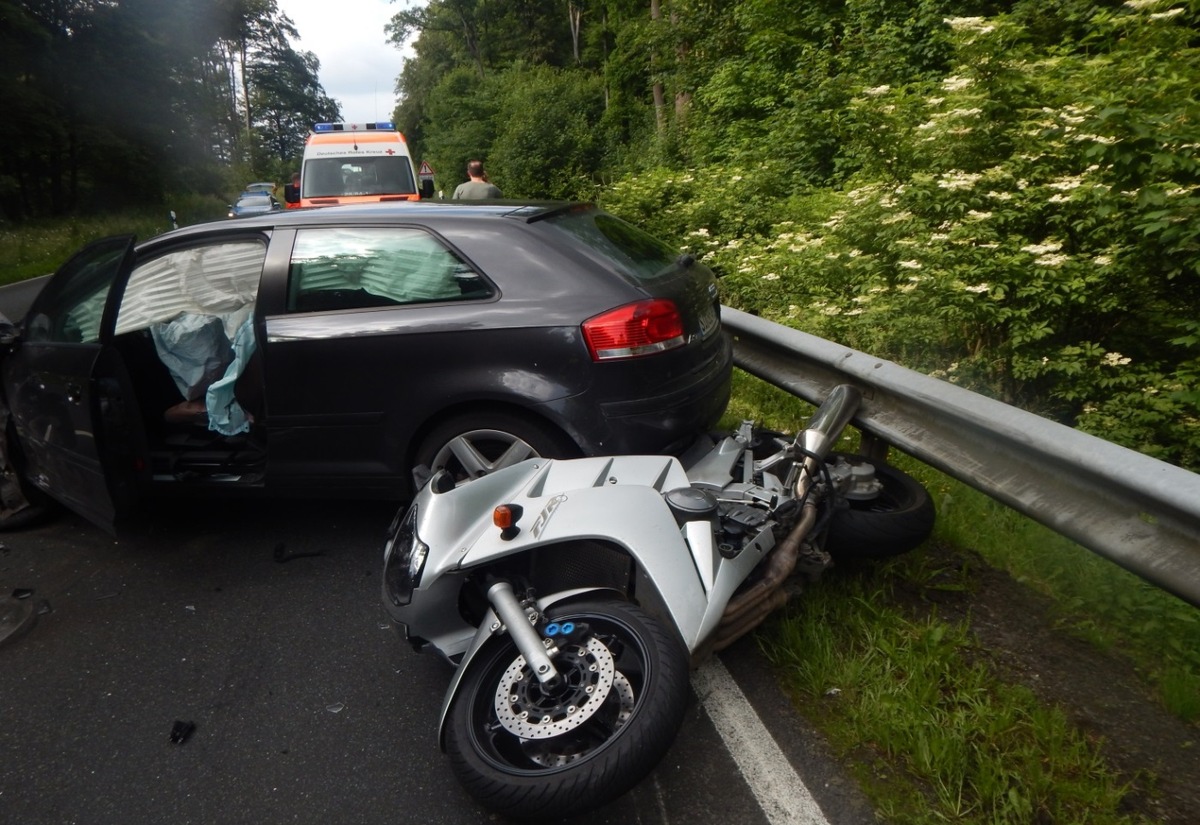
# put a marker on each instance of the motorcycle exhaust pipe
(750, 608)
(727, 635)
(780, 565)
(504, 601)
(823, 431)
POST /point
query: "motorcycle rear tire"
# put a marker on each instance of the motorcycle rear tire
(602, 758)
(895, 522)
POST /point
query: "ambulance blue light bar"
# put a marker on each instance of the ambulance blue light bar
(382, 125)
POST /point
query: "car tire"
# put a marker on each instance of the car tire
(473, 445)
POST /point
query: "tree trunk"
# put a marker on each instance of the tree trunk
(246, 149)
(471, 38)
(660, 103)
(575, 17)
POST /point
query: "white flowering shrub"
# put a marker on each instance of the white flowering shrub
(1026, 224)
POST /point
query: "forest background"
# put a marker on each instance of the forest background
(1001, 194)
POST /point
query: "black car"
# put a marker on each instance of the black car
(331, 351)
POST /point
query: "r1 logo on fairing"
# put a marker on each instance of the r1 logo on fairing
(544, 517)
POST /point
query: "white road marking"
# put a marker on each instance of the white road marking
(783, 797)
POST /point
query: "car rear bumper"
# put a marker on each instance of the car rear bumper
(667, 420)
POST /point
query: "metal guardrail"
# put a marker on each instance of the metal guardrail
(1139, 512)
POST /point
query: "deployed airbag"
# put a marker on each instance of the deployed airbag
(194, 349)
(205, 365)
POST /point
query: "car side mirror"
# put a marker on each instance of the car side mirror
(9, 333)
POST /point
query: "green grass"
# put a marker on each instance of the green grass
(1094, 599)
(932, 734)
(39, 247)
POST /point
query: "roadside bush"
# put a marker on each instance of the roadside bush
(548, 134)
(1022, 226)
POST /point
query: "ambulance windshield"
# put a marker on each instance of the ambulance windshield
(335, 177)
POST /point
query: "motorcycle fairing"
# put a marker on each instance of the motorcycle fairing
(615, 499)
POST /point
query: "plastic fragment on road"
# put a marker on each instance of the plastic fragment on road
(17, 616)
(180, 731)
(282, 554)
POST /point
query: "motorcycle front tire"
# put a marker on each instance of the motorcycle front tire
(624, 735)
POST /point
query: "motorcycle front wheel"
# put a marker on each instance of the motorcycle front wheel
(538, 752)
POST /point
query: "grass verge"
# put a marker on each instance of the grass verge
(40, 247)
(931, 734)
(934, 734)
(1095, 599)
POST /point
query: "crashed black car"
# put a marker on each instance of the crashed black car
(329, 352)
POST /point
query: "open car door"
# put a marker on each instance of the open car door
(77, 422)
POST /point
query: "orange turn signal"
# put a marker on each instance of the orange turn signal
(502, 517)
(506, 516)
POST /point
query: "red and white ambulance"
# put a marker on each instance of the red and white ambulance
(357, 163)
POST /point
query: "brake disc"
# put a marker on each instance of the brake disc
(530, 710)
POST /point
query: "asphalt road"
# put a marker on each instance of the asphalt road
(307, 707)
(16, 298)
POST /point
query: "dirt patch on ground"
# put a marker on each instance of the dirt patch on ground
(1155, 752)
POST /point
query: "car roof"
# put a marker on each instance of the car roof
(397, 211)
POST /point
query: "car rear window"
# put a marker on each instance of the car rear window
(636, 254)
(342, 268)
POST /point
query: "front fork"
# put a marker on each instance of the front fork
(514, 617)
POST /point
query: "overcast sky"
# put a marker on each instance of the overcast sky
(358, 65)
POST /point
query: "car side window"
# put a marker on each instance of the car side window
(339, 268)
(71, 307)
(215, 279)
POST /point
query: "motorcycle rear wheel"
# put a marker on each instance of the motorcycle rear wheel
(895, 522)
(627, 679)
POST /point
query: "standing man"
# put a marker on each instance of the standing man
(291, 192)
(478, 187)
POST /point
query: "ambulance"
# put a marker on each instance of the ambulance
(357, 163)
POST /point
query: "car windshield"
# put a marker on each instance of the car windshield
(638, 255)
(255, 200)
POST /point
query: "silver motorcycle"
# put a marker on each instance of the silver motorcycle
(573, 596)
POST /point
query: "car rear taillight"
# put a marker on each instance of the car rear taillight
(643, 328)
